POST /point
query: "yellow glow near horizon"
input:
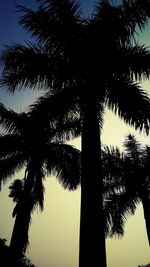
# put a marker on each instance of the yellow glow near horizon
(54, 234)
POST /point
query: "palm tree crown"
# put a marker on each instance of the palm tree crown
(33, 143)
(128, 184)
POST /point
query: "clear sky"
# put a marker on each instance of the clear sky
(54, 233)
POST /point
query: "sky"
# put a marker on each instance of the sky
(54, 233)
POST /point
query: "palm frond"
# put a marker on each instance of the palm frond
(66, 131)
(64, 161)
(135, 61)
(130, 102)
(117, 208)
(58, 107)
(111, 19)
(58, 9)
(53, 21)
(113, 171)
(10, 145)
(137, 12)
(133, 148)
(16, 189)
(146, 161)
(10, 166)
(28, 66)
(121, 21)
(10, 119)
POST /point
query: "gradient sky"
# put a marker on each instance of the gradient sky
(54, 233)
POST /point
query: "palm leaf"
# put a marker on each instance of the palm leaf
(124, 91)
(111, 19)
(137, 12)
(16, 189)
(11, 165)
(29, 66)
(121, 21)
(53, 21)
(67, 130)
(10, 119)
(64, 161)
(117, 208)
(10, 145)
(136, 62)
(133, 148)
(113, 171)
(49, 106)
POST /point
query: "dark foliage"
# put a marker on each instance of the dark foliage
(6, 260)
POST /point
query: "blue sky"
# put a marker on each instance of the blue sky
(11, 32)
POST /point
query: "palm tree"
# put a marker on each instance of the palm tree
(130, 187)
(137, 184)
(71, 57)
(33, 143)
(118, 205)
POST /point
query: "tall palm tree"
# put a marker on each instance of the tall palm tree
(33, 143)
(137, 166)
(71, 57)
(130, 187)
(118, 204)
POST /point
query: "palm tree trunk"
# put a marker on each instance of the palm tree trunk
(92, 238)
(19, 239)
(146, 209)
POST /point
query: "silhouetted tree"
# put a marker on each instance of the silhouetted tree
(116, 208)
(33, 143)
(137, 172)
(91, 61)
(130, 187)
(5, 257)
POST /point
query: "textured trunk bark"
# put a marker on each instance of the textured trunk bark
(19, 239)
(92, 249)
